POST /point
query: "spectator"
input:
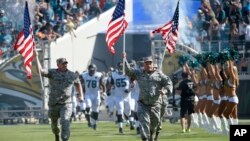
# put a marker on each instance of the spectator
(81, 17)
(94, 10)
(38, 13)
(242, 31)
(49, 13)
(109, 4)
(6, 36)
(244, 65)
(70, 26)
(52, 35)
(247, 37)
(3, 19)
(221, 17)
(234, 12)
(214, 30)
(234, 33)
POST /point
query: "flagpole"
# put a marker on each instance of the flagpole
(160, 67)
(41, 82)
(72, 42)
(39, 72)
(165, 48)
(124, 54)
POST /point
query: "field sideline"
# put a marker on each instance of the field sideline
(106, 131)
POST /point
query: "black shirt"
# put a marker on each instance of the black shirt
(187, 90)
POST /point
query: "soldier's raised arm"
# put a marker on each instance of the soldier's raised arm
(129, 71)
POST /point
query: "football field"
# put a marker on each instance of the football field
(106, 131)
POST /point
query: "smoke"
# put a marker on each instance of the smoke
(162, 11)
(14, 10)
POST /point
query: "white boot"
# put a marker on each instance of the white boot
(217, 129)
(218, 120)
(206, 120)
(235, 121)
(230, 121)
(201, 122)
(225, 128)
(210, 126)
(194, 121)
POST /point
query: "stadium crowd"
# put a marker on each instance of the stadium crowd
(222, 24)
(51, 19)
(217, 23)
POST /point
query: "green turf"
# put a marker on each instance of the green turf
(107, 131)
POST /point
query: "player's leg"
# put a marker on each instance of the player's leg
(95, 111)
(128, 111)
(120, 111)
(74, 104)
(88, 110)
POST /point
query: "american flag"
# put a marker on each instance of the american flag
(25, 43)
(116, 26)
(169, 31)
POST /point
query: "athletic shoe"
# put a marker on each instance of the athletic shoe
(89, 124)
(137, 130)
(132, 127)
(111, 114)
(94, 126)
(121, 130)
(127, 123)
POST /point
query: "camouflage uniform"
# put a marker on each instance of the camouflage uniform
(60, 102)
(164, 105)
(150, 99)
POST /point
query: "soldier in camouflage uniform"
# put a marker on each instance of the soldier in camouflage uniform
(61, 82)
(153, 86)
(164, 105)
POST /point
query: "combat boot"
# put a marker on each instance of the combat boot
(156, 136)
(88, 120)
(57, 138)
(94, 126)
(121, 130)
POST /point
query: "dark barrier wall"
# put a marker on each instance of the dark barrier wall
(243, 93)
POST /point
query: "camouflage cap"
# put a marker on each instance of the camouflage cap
(61, 60)
(148, 59)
